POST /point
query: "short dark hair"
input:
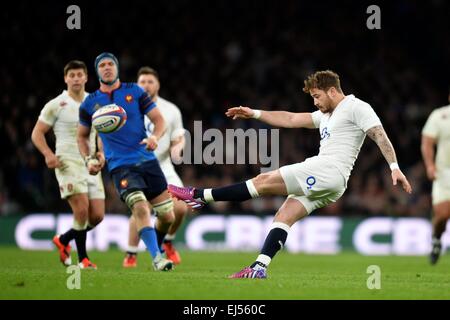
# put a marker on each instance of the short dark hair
(75, 64)
(322, 80)
(148, 70)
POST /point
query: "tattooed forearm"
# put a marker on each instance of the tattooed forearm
(380, 137)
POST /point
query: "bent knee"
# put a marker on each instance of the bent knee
(167, 218)
(262, 182)
(140, 209)
(81, 213)
(180, 208)
(164, 210)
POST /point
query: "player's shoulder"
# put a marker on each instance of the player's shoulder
(357, 101)
(90, 100)
(91, 96)
(131, 86)
(358, 104)
(57, 101)
(443, 109)
(167, 103)
(441, 112)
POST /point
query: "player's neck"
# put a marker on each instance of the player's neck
(78, 96)
(109, 88)
(338, 100)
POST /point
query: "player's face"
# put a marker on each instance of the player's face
(75, 79)
(149, 83)
(107, 70)
(322, 100)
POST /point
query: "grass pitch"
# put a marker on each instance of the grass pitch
(203, 275)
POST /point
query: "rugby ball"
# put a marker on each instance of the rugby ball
(109, 118)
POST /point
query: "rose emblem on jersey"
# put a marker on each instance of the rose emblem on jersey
(324, 134)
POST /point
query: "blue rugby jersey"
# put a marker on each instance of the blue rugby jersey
(122, 147)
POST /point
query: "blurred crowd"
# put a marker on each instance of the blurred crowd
(227, 53)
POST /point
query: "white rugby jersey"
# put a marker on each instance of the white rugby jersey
(438, 127)
(174, 129)
(343, 132)
(61, 113)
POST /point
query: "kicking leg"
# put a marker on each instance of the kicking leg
(269, 183)
(290, 212)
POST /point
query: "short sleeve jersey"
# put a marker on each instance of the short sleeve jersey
(122, 147)
(343, 131)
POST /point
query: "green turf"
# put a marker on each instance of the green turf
(202, 275)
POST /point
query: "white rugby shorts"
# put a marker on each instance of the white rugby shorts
(440, 191)
(73, 178)
(314, 182)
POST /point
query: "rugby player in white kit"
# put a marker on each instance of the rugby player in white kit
(343, 122)
(169, 147)
(83, 191)
(436, 133)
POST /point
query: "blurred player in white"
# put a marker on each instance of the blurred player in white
(84, 192)
(343, 121)
(436, 132)
(170, 146)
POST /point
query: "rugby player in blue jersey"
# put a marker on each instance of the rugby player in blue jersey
(129, 154)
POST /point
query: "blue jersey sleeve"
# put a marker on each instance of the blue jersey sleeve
(145, 101)
(84, 116)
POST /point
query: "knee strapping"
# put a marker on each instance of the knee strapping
(134, 197)
(163, 207)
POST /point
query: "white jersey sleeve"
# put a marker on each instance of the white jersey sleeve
(365, 117)
(316, 117)
(49, 114)
(177, 129)
(431, 128)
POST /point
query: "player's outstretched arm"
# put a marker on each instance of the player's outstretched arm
(380, 137)
(282, 119)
